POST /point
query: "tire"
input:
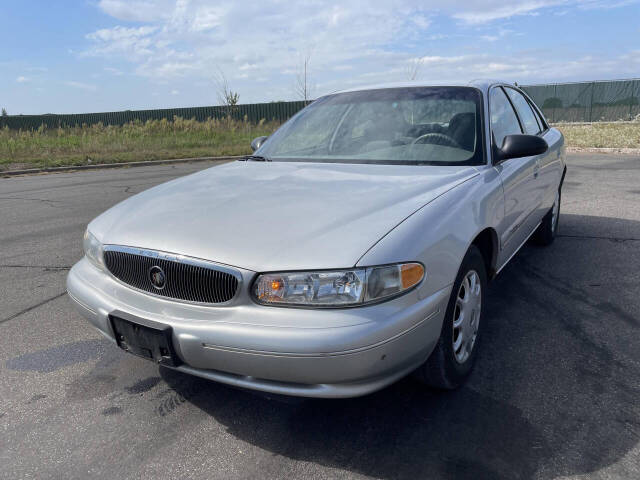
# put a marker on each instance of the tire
(446, 367)
(548, 229)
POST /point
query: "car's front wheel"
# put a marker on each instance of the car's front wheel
(456, 350)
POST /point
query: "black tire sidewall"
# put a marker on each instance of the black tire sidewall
(455, 371)
(546, 232)
(554, 228)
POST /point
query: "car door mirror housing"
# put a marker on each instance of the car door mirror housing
(517, 146)
(257, 142)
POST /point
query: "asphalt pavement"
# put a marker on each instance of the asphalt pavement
(555, 393)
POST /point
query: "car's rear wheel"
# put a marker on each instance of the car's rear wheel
(456, 350)
(547, 230)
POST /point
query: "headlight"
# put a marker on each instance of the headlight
(338, 288)
(93, 249)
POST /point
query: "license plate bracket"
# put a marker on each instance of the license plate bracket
(146, 339)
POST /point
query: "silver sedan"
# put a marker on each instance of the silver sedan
(352, 248)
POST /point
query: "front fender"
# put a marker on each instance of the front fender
(440, 233)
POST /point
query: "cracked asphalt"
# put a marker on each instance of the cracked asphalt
(555, 394)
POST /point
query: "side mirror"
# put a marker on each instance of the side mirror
(517, 146)
(257, 143)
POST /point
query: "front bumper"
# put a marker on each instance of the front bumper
(302, 352)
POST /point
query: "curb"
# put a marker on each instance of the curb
(146, 163)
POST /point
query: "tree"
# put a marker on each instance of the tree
(4, 112)
(303, 86)
(226, 97)
(412, 70)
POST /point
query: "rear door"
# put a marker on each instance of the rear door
(518, 177)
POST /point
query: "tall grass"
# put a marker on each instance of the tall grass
(182, 138)
(135, 141)
(602, 134)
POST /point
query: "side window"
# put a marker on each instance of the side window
(503, 119)
(529, 121)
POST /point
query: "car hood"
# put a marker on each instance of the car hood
(266, 216)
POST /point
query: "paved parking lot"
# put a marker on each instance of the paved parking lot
(556, 391)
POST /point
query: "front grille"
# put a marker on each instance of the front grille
(183, 280)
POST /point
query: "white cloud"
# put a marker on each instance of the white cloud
(351, 42)
(173, 69)
(117, 34)
(133, 43)
(421, 21)
(341, 68)
(22, 79)
(438, 60)
(113, 71)
(138, 10)
(501, 33)
(524, 66)
(265, 38)
(604, 4)
(81, 86)
(487, 11)
(248, 66)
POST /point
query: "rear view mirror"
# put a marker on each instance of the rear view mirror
(517, 146)
(257, 143)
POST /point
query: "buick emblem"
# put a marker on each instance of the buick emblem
(157, 277)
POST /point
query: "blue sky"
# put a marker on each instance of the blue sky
(102, 55)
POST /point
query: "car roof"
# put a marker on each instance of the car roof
(481, 84)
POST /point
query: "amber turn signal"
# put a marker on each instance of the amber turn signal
(411, 274)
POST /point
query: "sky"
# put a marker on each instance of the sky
(73, 56)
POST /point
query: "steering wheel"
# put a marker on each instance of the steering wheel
(436, 139)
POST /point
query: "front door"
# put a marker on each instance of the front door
(518, 179)
(547, 168)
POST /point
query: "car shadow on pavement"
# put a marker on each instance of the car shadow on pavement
(554, 391)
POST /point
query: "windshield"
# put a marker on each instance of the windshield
(417, 125)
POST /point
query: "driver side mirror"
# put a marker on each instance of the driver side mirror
(517, 146)
(257, 143)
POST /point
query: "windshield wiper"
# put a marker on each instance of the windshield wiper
(257, 158)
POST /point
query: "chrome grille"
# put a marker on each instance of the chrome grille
(185, 279)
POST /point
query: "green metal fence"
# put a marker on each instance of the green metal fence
(561, 102)
(604, 101)
(254, 112)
